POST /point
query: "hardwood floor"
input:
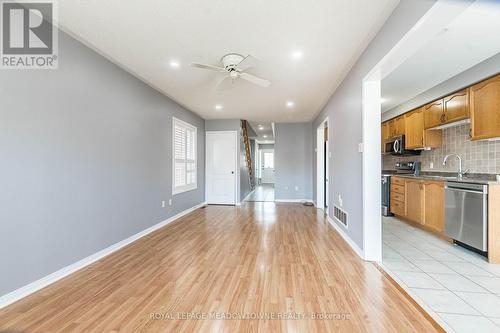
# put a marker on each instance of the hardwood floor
(260, 258)
(263, 192)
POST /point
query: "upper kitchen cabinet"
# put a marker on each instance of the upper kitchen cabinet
(485, 109)
(399, 126)
(417, 137)
(456, 107)
(433, 114)
(391, 128)
(447, 110)
(385, 135)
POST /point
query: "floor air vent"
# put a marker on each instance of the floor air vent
(340, 215)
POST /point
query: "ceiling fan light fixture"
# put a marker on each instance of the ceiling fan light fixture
(290, 104)
(218, 107)
(174, 64)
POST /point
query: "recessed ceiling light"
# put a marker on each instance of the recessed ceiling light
(296, 55)
(261, 128)
(265, 136)
(174, 64)
(290, 104)
(218, 107)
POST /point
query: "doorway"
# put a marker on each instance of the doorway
(221, 167)
(264, 190)
(322, 165)
(267, 166)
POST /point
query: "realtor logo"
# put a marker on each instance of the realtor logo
(29, 36)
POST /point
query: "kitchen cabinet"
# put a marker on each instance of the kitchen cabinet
(414, 130)
(456, 107)
(447, 110)
(398, 202)
(391, 127)
(417, 137)
(485, 109)
(433, 215)
(419, 200)
(414, 200)
(433, 114)
(399, 126)
(385, 136)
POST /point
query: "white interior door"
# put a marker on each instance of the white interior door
(221, 167)
(267, 166)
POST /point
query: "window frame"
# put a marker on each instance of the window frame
(188, 127)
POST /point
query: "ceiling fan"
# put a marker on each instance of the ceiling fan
(234, 66)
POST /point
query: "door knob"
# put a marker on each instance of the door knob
(232, 172)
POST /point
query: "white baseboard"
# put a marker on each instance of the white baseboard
(293, 200)
(348, 239)
(65, 271)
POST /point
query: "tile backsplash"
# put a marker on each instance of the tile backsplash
(477, 156)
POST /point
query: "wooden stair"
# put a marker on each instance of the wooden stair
(248, 155)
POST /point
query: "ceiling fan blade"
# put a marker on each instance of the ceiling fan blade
(219, 84)
(247, 62)
(255, 79)
(209, 67)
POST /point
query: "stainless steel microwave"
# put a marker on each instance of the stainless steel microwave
(396, 146)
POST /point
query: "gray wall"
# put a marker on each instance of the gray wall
(292, 161)
(344, 110)
(479, 72)
(266, 146)
(85, 162)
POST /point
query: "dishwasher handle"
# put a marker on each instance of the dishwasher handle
(467, 187)
(465, 190)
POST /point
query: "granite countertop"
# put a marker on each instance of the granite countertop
(476, 178)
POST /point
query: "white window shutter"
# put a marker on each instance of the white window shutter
(184, 156)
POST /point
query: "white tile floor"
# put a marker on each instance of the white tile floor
(459, 288)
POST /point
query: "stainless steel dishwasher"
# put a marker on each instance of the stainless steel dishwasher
(466, 214)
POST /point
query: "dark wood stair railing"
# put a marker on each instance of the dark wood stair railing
(248, 156)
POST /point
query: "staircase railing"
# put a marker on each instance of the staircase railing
(248, 155)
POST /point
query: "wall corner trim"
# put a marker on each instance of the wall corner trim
(348, 239)
(29, 289)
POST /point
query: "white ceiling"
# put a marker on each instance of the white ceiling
(145, 36)
(470, 39)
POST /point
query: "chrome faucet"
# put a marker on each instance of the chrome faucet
(461, 172)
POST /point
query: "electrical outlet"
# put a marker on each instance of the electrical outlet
(163, 204)
(340, 200)
(296, 188)
(431, 165)
(360, 147)
(170, 202)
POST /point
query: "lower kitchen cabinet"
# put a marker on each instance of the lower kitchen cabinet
(434, 205)
(420, 201)
(414, 200)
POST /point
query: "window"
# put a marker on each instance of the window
(184, 156)
(269, 160)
